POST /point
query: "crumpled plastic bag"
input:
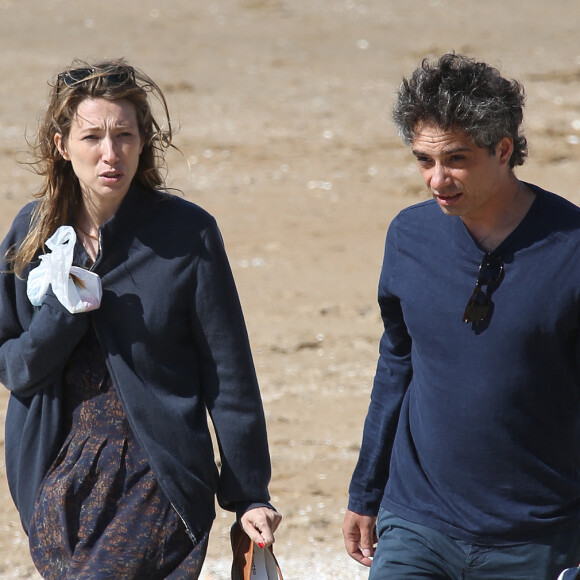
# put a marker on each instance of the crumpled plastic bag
(77, 289)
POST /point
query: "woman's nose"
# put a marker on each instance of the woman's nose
(110, 150)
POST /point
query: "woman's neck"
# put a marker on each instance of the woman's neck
(89, 218)
(94, 212)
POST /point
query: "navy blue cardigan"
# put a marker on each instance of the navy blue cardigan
(172, 328)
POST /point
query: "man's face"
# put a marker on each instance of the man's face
(464, 179)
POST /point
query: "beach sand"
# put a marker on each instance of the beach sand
(283, 117)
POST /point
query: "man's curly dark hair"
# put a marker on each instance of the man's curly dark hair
(459, 93)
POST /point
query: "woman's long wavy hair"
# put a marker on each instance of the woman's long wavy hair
(60, 194)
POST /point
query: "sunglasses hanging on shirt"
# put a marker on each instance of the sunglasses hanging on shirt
(490, 274)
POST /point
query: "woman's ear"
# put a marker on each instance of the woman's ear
(59, 142)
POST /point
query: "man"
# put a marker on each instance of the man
(470, 453)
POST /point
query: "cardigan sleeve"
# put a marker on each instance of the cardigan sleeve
(34, 343)
(392, 378)
(229, 381)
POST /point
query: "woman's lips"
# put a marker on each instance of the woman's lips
(111, 176)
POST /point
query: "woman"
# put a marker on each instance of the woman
(108, 453)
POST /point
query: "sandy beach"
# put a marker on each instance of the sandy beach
(283, 117)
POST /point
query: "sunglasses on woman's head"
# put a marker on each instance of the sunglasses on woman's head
(115, 76)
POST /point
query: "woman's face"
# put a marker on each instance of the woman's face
(103, 146)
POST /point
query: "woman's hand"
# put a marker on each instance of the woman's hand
(260, 524)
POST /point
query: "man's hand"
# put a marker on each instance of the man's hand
(260, 524)
(360, 536)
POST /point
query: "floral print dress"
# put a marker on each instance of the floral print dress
(100, 512)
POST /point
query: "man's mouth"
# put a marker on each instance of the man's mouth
(447, 195)
(447, 198)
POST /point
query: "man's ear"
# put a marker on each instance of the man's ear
(59, 142)
(504, 150)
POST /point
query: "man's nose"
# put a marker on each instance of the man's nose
(439, 177)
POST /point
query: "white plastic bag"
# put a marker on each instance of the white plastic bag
(77, 289)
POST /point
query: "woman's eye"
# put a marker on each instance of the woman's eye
(124, 134)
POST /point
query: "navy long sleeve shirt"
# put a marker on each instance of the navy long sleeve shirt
(475, 430)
